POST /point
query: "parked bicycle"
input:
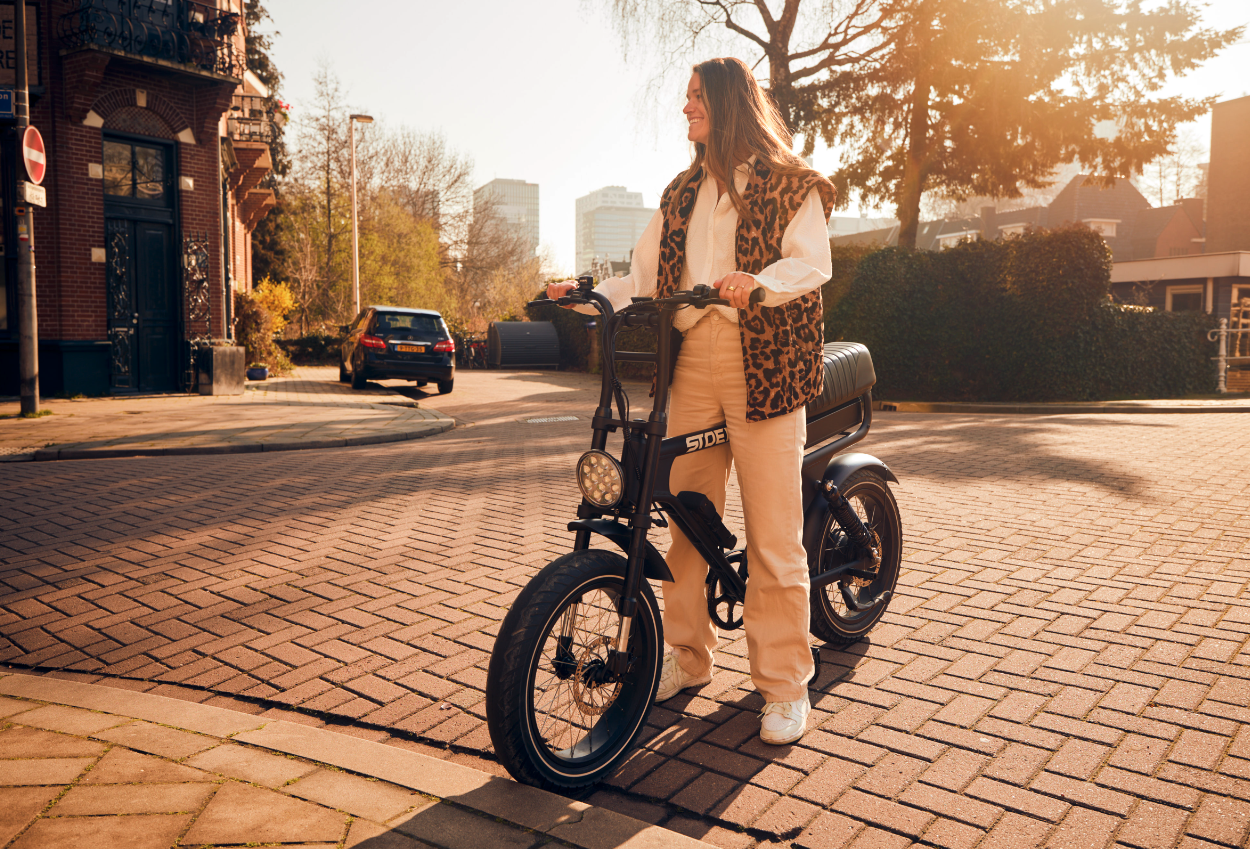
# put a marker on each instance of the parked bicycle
(576, 664)
(471, 351)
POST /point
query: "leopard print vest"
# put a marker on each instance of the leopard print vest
(781, 346)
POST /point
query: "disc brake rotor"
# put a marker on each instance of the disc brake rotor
(594, 687)
(874, 566)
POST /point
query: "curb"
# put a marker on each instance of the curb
(575, 823)
(430, 428)
(1049, 409)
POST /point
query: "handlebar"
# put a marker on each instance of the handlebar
(699, 297)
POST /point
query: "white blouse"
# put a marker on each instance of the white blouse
(805, 262)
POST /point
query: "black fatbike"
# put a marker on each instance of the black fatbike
(576, 664)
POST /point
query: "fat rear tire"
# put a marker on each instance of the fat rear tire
(551, 725)
(832, 620)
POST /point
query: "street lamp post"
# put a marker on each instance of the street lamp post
(352, 119)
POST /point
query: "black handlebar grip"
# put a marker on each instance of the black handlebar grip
(757, 295)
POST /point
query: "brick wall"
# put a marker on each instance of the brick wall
(1228, 213)
(72, 296)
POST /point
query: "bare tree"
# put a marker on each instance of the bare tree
(1176, 174)
(801, 42)
(422, 241)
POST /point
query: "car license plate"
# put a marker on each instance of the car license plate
(411, 349)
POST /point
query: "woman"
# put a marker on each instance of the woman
(747, 213)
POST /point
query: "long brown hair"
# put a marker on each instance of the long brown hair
(744, 122)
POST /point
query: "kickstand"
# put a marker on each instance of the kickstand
(816, 661)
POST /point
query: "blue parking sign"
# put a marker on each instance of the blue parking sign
(6, 103)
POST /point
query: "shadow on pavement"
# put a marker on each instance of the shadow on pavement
(1005, 447)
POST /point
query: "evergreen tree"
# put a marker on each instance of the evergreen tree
(988, 97)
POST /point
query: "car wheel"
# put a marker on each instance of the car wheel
(344, 377)
(421, 383)
(444, 386)
(358, 378)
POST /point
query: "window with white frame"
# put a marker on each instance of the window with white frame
(1104, 227)
(1185, 298)
(1011, 229)
(952, 239)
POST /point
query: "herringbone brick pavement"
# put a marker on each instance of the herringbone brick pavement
(1065, 663)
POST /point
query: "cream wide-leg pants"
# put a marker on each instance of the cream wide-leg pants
(709, 386)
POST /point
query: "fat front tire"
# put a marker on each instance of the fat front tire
(833, 620)
(444, 386)
(557, 717)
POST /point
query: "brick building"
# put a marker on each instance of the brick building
(156, 139)
(1214, 276)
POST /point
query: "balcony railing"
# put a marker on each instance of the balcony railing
(195, 35)
(254, 119)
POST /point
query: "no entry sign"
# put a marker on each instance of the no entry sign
(34, 156)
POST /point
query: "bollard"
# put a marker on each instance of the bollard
(1221, 361)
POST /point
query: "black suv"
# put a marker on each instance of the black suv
(400, 343)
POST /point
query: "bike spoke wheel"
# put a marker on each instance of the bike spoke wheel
(834, 617)
(557, 715)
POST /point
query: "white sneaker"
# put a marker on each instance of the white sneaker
(674, 679)
(784, 722)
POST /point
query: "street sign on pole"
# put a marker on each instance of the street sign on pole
(6, 105)
(34, 155)
(32, 194)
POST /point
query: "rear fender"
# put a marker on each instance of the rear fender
(653, 567)
(843, 466)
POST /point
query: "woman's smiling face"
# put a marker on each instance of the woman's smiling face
(696, 113)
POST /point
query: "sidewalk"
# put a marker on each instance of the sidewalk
(89, 765)
(309, 410)
(1229, 404)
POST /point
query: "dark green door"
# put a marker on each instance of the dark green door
(143, 283)
(156, 299)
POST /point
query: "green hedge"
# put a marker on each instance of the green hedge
(1025, 319)
(315, 349)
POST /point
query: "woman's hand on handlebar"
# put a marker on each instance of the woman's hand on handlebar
(736, 287)
(555, 291)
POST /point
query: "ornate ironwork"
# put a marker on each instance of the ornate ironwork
(254, 119)
(196, 35)
(121, 304)
(197, 298)
(116, 268)
(121, 349)
(195, 286)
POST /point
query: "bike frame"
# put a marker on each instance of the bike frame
(648, 455)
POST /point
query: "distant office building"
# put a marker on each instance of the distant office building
(609, 224)
(516, 201)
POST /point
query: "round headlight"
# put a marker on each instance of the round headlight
(600, 479)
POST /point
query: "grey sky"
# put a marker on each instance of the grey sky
(538, 91)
